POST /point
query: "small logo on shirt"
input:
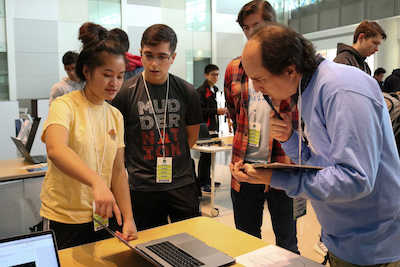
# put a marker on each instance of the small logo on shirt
(112, 134)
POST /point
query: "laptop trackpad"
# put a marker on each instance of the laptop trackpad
(197, 249)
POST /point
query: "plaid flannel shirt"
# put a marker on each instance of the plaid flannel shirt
(237, 101)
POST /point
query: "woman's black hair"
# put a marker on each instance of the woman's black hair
(95, 40)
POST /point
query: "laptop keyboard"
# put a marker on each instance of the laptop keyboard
(173, 255)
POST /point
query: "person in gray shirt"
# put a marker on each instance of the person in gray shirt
(69, 83)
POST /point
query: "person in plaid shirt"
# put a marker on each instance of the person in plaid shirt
(250, 115)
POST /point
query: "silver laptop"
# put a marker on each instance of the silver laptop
(32, 159)
(33, 250)
(178, 250)
(183, 250)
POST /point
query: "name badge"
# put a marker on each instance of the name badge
(299, 208)
(164, 170)
(254, 134)
(104, 221)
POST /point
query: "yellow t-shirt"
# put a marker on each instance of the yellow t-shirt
(65, 199)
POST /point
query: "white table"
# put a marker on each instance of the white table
(19, 196)
(213, 149)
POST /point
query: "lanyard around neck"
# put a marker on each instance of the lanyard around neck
(299, 121)
(154, 113)
(99, 165)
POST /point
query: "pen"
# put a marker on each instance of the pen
(272, 106)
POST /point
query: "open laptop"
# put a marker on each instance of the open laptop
(32, 134)
(178, 250)
(204, 136)
(33, 250)
(32, 159)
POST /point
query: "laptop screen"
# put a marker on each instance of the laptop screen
(203, 132)
(21, 147)
(29, 251)
(32, 134)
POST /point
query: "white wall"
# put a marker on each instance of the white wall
(388, 56)
(8, 114)
(39, 32)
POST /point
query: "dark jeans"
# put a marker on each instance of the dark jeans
(71, 235)
(197, 180)
(248, 207)
(152, 209)
(337, 262)
(204, 168)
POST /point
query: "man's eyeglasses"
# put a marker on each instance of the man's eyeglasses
(159, 58)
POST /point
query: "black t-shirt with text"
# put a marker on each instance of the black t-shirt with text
(142, 139)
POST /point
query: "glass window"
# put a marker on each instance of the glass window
(198, 26)
(2, 9)
(105, 12)
(228, 42)
(3, 54)
(198, 15)
(2, 27)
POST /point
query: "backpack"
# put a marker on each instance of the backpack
(393, 104)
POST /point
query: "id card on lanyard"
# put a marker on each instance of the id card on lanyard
(99, 164)
(164, 164)
(96, 225)
(164, 170)
(254, 130)
(254, 134)
(254, 126)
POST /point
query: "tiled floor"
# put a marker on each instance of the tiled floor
(308, 227)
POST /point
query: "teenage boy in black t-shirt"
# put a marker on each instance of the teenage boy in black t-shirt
(159, 165)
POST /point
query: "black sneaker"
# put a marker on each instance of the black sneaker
(217, 184)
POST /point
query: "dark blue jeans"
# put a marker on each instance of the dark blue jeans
(203, 169)
(248, 207)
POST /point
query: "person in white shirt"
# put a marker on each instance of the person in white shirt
(69, 83)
